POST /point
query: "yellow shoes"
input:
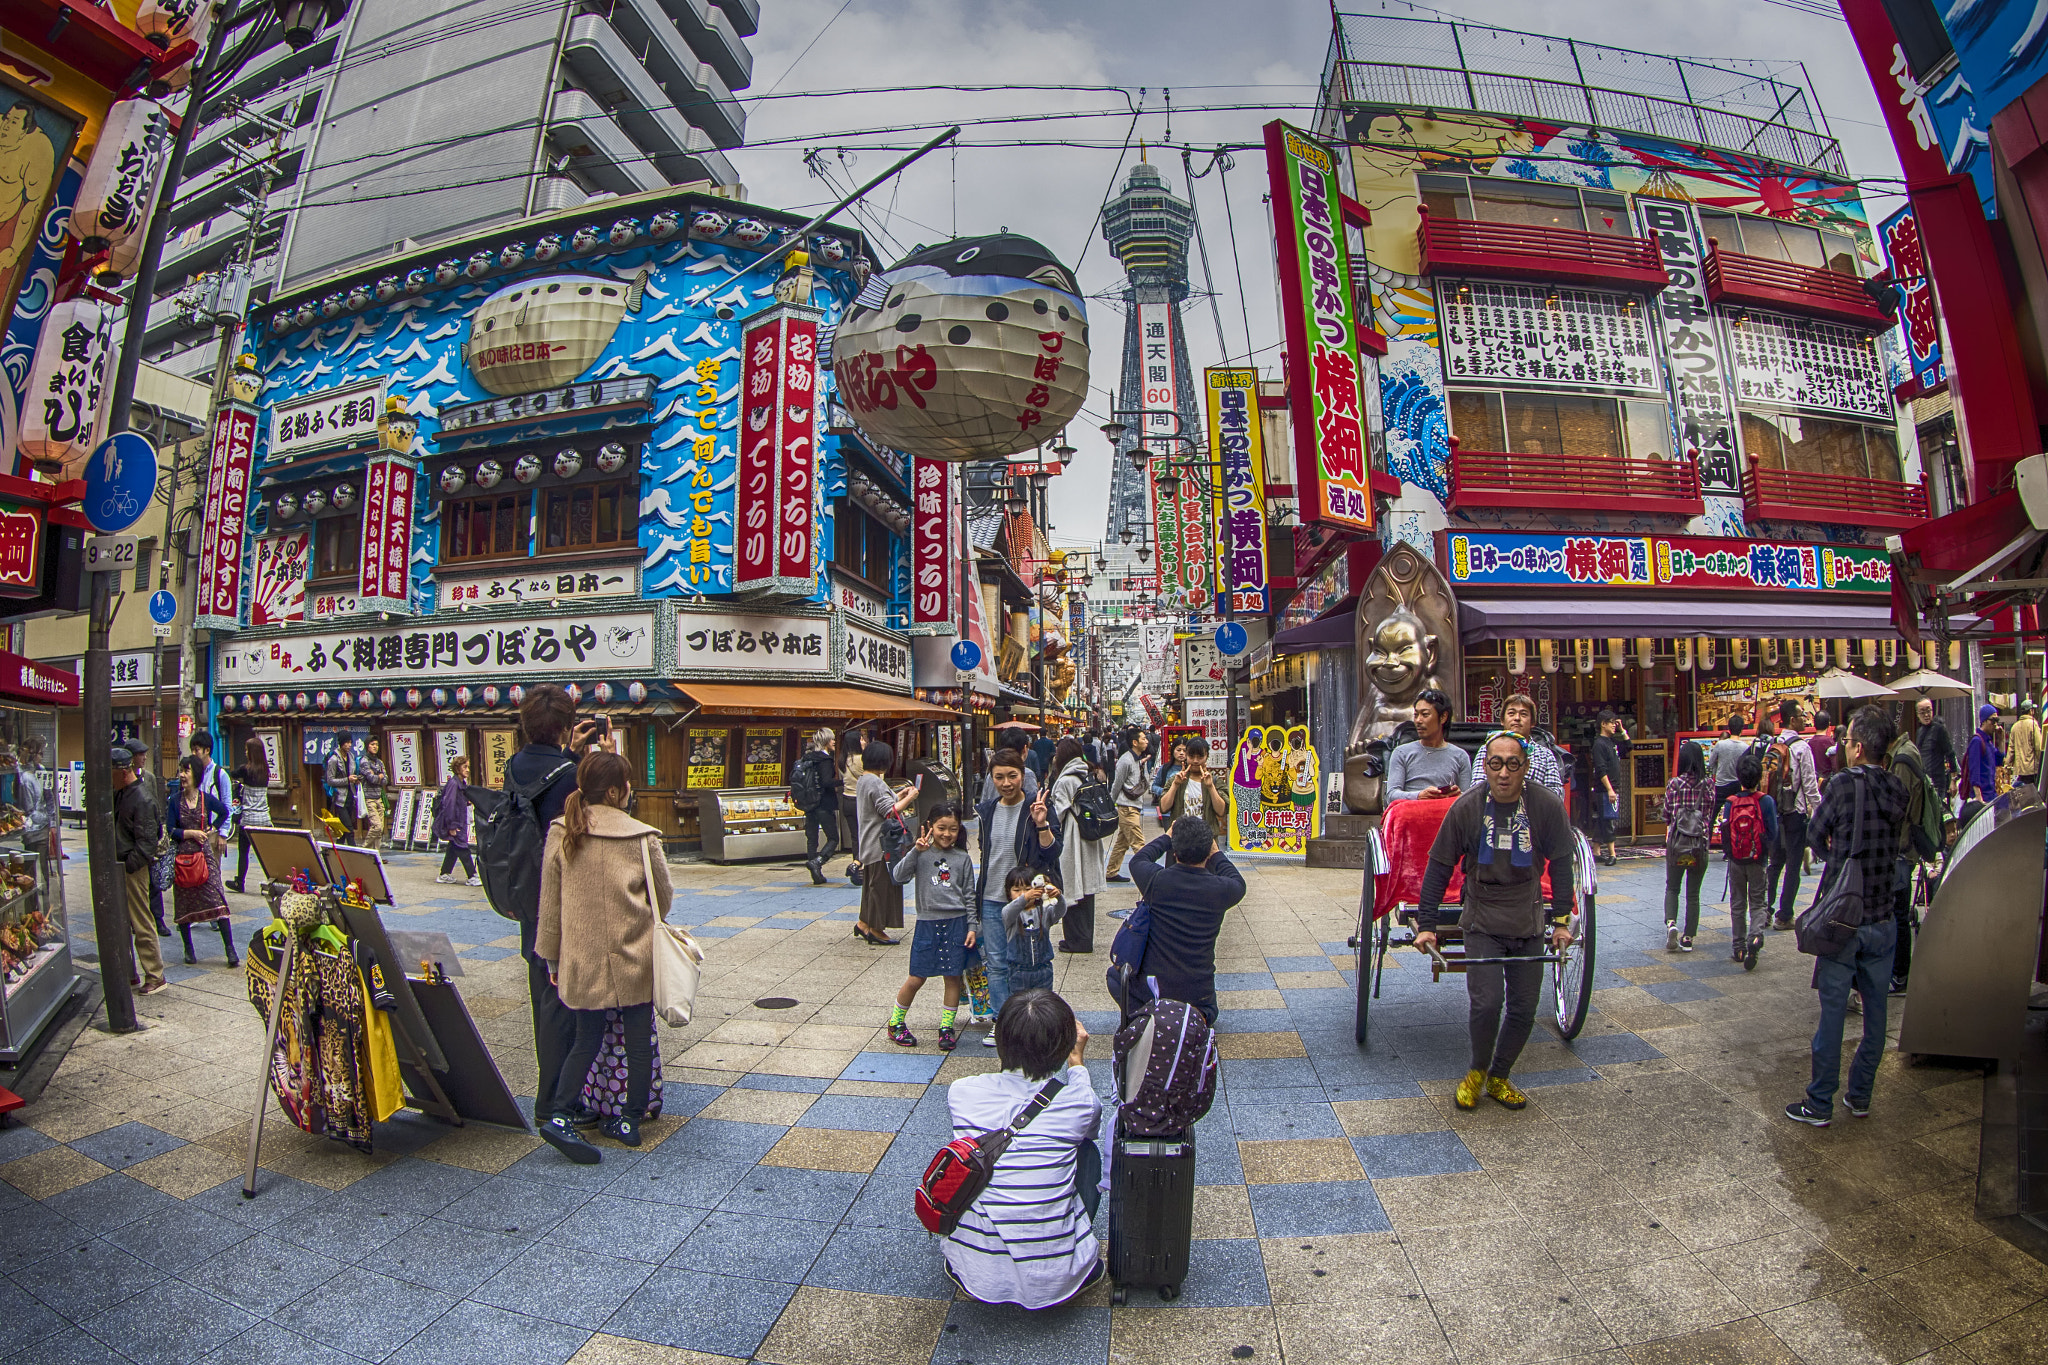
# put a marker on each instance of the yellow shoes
(1498, 1087)
(1468, 1090)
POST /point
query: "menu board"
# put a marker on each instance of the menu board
(707, 758)
(1500, 333)
(1804, 363)
(499, 746)
(761, 757)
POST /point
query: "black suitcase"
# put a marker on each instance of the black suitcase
(1151, 1213)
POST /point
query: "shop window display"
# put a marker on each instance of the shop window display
(35, 951)
(1560, 424)
(337, 545)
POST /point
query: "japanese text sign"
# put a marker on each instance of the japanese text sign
(1807, 363)
(278, 596)
(931, 558)
(731, 642)
(223, 519)
(1500, 333)
(549, 646)
(1238, 467)
(775, 525)
(1515, 559)
(21, 549)
(1902, 247)
(1698, 372)
(342, 416)
(1328, 385)
(387, 535)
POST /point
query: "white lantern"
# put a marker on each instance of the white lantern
(1582, 655)
(1738, 653)
(113, 202)
(164, 22)
(1818, 650)
(1681, 650)
(1646, 652)
(1889, 651)
(1841, 654)
(1798, 651)
(1546, 653)
(1518, 656)
(1912, 656)
(66, 380)
(125, 253)
(1870, 654)
(1771, 652)
(974, 349)
(1706, 653)
(1617, 654)
(1955, 654)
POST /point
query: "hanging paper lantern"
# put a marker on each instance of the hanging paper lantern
(584, 239)
(1770, 651)
(1817, 650)
(300, 702)
(1797, 650)
(364, 700)
(1889, 651)
(314, 501)
(1582, 655)
(664, 225)
(1869, 652)
(1517, 653)
(388, 698)
(1706, 653)
(1617, 654)
(568, 463)
(1681, 650)
(1646, 652)
(389, 288)
(636, 692)
(526, 468)
(1546, 654)
(708, 224)
(517, 695)
(65, 392)
(1912, 656)
(113, 202)
(491, 695)
(343, 497)
(1955, 654)
(941, 355)
(439, 697)
(412, 697)
(1738, 653)
(602, 694)
(748, 231)
(322, 700)
(611, 458)
(164, 22)
(462, 696)
(575, 692)
(343, 701)
(488, 474)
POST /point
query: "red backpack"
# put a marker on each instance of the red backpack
(1743, 837)
(962, 1169)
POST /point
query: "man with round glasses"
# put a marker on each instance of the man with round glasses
(1518, 713)
(1504, 834)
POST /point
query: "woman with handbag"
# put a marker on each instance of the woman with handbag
(252, 785)
(882, 835)
(197, 896)
(599, 941)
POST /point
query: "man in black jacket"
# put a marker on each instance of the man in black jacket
(821, 822)
(137, 826)
(1937, 750)
(1188, 898)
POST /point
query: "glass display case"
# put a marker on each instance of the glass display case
(749, 822)
(35, 940)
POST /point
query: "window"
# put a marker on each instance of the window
(1560, 424)
(337, 545)
(1818, 445)
(1530, 202)
(586, 516)
(1792, 243)
(860, 544)
(484, 528)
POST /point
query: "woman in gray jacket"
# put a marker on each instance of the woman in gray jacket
(881, 899)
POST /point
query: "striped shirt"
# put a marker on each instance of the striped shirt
(1027, 1240)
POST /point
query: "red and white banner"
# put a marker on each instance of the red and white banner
(278, 595)
(387, 536)
(931, 548)
(776, 523)
(218, 605)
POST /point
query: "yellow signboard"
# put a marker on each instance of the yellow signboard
(762, 758)
(499, 746)
(1274, 789)
(707, 758)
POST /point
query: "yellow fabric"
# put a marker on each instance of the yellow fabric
(380, 1062)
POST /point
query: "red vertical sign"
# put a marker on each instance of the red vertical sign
(224, 518)
(387, 535)
(795, 528)
(775, 536)
(753, 551)
(931, 567)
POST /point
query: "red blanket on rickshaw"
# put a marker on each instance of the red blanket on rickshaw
(1409, 830)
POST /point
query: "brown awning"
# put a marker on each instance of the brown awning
(819, 702)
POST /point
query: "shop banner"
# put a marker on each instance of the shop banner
(499, 746)
(1182, 525)
(562, 646)
(931, 558)
(710, 643)
(1698, 373)
(1900, 234)
(777, 473)
(534, 586)
(1077, 631)
(707, 758)
(278, 596)
(1517, 559)
(877, 658)
(449, 745)
(1320, 316)
(21, 549)
(325, 606)
(404, 749)
(1804, 363)
(1499, 333)
(273, 758)
(341, 416)
(1275, 778)
(1159, 377)
(1238, 469)
(223, 519)
(387, 536)
(761, 758)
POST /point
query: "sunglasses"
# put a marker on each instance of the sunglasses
(1495, 763)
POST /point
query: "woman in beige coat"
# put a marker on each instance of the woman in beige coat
(598, 939)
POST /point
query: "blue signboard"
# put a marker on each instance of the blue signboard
(162, 607)
(1231, 639)
(2002, 47)
(967, 656)
(120, 479)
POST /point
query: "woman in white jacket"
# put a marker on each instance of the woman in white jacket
(1084, 863)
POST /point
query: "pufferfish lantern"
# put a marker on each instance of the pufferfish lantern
(971, 350)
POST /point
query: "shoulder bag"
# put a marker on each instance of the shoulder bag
(1826, 927)
(678, 961)
(963, 1167)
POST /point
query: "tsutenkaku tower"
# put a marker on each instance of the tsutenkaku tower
(1148, 228)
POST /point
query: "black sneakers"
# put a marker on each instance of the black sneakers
(561, 1135)
(1800, 1112)
(623, 1129)
(1750, 950)
(1860, 1108)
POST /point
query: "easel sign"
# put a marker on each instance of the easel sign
(401, 815)
(449, 745)
(423, 820)
(365, 865)
(273, 757)
(286, 852)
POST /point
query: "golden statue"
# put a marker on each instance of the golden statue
(1407, 641)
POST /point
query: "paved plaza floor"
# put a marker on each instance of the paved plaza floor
(1651, 1206)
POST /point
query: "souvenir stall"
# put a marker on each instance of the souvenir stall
(35, 940)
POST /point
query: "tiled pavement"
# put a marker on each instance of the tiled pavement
(1649, 1208)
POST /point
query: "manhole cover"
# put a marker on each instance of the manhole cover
(774, 1002)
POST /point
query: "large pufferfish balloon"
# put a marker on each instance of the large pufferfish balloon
(971, 350)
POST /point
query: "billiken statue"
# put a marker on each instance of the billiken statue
(1407, 642)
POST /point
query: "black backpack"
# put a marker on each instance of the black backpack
(806, 787)
(1094, 811)
(510, 842)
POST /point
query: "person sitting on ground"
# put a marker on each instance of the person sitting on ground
(1518, 713)
(1428, 766)
(1749, 827)
(1192, 790)
(944, 938)
(1504, 834)
(1034, 907)
(1188, 897)
(1029, 1239)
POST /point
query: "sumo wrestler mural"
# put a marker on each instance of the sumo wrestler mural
(1407, 642)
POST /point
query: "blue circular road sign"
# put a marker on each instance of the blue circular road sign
(1231, 639)
(162, 607)
(967, 656)
(120, 479)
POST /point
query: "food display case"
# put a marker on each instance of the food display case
(35, 942)
(749, 822)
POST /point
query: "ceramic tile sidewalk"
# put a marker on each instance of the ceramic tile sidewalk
(1649, 1206)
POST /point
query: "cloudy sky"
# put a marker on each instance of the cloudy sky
(1226, 69)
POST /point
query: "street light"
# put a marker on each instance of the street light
(1015, 503)
(1065, 449)
(303, 19)
(1114, 430)
(1166, 482)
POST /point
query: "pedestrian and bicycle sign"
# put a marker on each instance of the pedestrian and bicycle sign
(120, 479)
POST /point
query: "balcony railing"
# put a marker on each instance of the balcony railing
(1577, 483)
(1759, 282)
(1791, 495)
(1518, 251)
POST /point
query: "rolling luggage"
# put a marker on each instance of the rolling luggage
(1151, 1212)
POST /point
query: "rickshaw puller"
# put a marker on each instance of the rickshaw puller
(1504, 833)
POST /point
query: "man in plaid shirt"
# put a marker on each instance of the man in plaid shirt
(1865, 964)
(1518, 713)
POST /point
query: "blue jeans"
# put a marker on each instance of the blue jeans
(995, 953)
(1865, 965)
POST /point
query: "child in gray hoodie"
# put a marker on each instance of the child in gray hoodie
(943, 944)
(1034, 908)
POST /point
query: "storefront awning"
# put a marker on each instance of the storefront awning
(1562, 618)
(1325, 632)
(820, 702)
